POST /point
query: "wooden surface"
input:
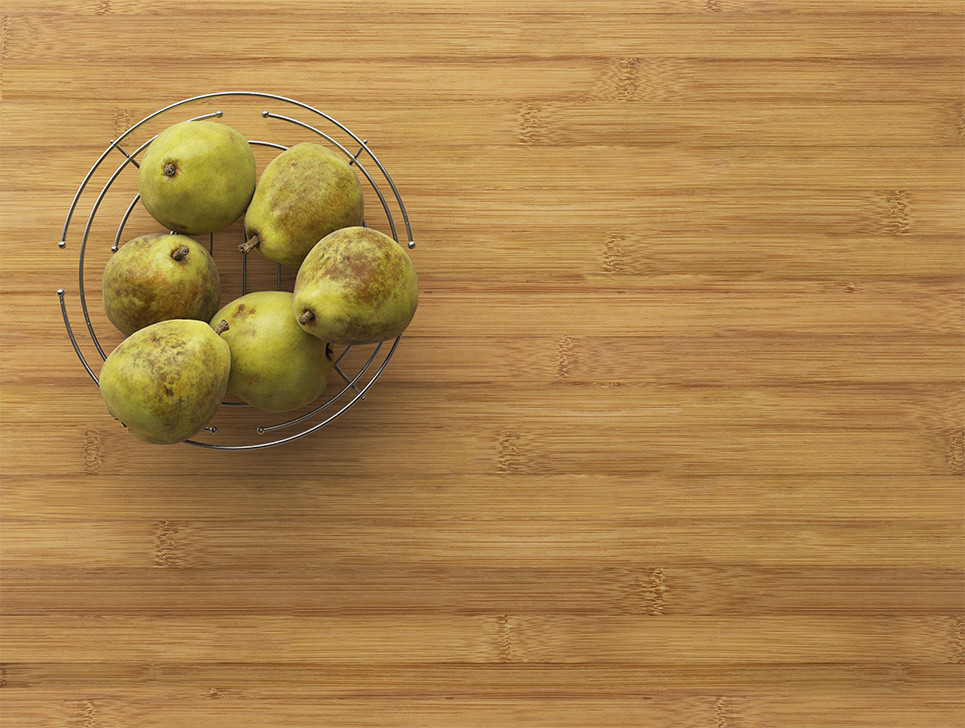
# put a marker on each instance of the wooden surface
(674, 439)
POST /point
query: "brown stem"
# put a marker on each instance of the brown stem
(306, 317)
(221, 327)
(170, 170)
(249, 245)
(181, 252)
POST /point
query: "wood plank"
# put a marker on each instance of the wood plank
(135, 497)
(303, 8)
(925, 77)
(511, 36)
(223, 707)
(765, 541)
(539, 179)
(756, 309)
(379, 640)
(359, 585)
(617, 123)
(933, 362)
(502, 680)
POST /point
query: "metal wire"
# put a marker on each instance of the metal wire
(358, 380)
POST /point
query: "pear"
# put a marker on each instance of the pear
(356, 286)
(275, 365)
(197, 177)
(166, 381)
(305, 193)
(158, 277)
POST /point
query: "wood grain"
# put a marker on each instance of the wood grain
(676, 435)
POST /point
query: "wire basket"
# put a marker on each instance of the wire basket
(236, 426)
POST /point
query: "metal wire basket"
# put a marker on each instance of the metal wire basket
(236, 426)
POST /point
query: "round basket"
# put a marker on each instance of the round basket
(236, 426)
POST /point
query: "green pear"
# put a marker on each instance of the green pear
(356, 286)
(166, 381)
(197, 177)
(158, 277)
(305, 193)
(275, 365)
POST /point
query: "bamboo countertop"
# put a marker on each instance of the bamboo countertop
(675, 437)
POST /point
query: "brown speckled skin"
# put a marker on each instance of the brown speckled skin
(213, 182)
(143, 284)
(305, 193)
(275, 365)
(166, 381)
(360, 286)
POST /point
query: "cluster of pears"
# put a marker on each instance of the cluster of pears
(271, 349)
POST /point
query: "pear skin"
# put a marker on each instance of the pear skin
(356, 286)
(275, 365)
(197, 177)
(158, 277)
(167, 380)
(304, 193)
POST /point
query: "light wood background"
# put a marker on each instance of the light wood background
(674, 439)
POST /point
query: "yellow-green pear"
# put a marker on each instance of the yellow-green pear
(275, 365)
(305, 193)
(158, 277)
(167, 380)
(197, 177)
(356, 286)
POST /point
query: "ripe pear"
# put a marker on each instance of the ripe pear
(356, 286)
(158, 277)
(166, 381)
(305, 193)
(197, 177)
(275, 365)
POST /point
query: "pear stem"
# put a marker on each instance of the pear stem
(221, 327)
(181, 252)
(306, 317)
(249, 244)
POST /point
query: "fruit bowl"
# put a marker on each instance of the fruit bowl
(107, 197)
